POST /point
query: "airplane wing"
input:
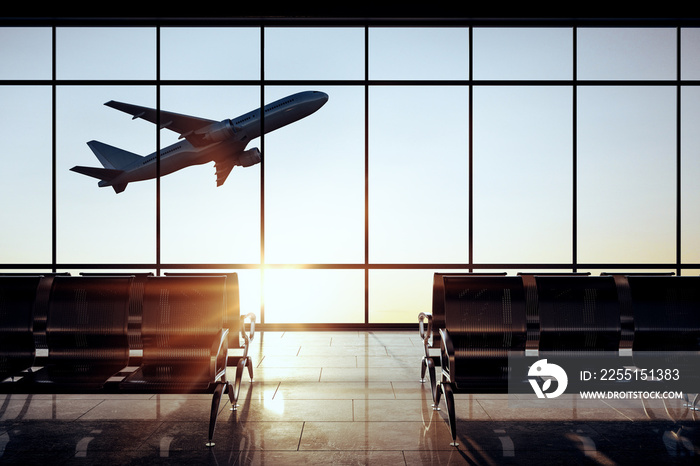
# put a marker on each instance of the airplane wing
(185, 125)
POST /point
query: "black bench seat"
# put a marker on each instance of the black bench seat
(18, 297)
(88, 328)
(492, 324)
(430, 323)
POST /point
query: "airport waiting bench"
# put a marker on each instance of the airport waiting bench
(120, 334)
(490, 322)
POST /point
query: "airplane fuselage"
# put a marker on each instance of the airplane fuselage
(280, 113)
(172, 158)
(222, 142)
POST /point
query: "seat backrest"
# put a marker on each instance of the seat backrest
(17, 300)
(181, 317)
(578, 313)
(233, 306)
(485, 312)
(135, 302)
(438, 304)
(666, 312)
(87, 321)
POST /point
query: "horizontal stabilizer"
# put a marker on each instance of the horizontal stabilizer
(113, 157)
(105, 174)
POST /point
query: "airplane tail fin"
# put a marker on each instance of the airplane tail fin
(111, 157)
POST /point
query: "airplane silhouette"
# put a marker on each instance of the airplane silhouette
(201, 141)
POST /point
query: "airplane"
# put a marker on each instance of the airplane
(201, 141)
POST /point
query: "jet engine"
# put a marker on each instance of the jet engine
(217, 132)
(249, 157)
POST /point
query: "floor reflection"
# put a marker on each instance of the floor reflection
(339, 398)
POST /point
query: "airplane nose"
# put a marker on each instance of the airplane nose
(318, 99)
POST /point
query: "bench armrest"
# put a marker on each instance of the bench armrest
(247, 336)
(426, 334)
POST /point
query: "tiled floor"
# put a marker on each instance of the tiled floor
(338, 398)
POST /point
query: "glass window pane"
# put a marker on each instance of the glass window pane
(26, 174)
(106, 53)
(249, 291)
(210, 53)
(523, 193)
(690, 53)
(200, 221)
(25, 53)
(690, 176)
(626, 174)
(419, 53)
(626, 53)
(95, 224)
(398, 296)
(314, 53)
(314, 296)
(314, 182)
(314, 190)
(522, 53)
(418, 174)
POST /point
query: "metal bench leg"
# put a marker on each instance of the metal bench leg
(215, 400)
(450, 402)
(244, 362)
(236, 388)
(437, 393)
(249, 363)
(429, 364)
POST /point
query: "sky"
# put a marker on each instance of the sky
(314, 171)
